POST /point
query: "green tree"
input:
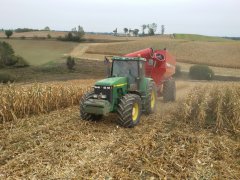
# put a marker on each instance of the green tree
(8, 33)
(201, 72)
(70, 63)
(115, 32)
(150, 32)
(46, 28)
(81, 32)
(78, 33)
(135, 32)
(69, 36)
(74, 35)
(162, 29)
(8, 58)
(6, 53)
(125, 30)
(153, 26)
(49, 36)
(144, 26)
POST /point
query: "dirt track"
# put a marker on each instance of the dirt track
(60, 145)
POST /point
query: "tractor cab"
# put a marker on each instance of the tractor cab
(133, 68)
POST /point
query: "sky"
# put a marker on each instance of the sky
(206, 17)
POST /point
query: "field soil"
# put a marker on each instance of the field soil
(60, 145)
(54, 145)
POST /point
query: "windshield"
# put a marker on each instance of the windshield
(125, 69)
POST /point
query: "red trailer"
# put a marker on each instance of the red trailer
(160, 67)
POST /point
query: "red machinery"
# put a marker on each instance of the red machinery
(160, 66)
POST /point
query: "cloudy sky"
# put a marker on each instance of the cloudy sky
(207, 17)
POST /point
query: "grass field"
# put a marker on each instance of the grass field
(196, 37)
(39, 52)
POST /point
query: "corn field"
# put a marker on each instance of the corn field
(216, 105)
(21, 101)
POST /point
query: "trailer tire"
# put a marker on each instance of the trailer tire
(129, 110)
(150, 104)
(86, 116)
(169, 90)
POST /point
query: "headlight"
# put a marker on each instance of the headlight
(95, 96)
(104, 87)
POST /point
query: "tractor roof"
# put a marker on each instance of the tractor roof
(118, 58)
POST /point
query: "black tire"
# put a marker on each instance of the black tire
(169, 90)
(86, 116)
(151, 91)
(126, 108)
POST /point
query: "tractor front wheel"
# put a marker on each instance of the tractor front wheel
(83, 114)
(129, 110)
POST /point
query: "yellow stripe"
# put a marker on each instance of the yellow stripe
(118, 85)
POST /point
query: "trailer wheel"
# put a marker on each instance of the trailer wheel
(86, 116)
(169, 90)
(129, 110)
(150, 104)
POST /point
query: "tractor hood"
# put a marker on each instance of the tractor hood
(113, 81)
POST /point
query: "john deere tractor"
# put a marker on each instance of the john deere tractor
(126, 92)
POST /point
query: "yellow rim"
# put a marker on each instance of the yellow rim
(153, 99)
(135, 111)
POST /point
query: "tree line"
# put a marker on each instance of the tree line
(10, 32)
(151, 30)
(76, 34)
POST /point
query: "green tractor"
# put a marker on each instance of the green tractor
(126, 92)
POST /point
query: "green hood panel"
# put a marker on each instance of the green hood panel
(113, 81)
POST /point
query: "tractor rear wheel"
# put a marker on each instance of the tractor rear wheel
(150, 104)
(83, 114)
(169, 90)
(129, 110)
